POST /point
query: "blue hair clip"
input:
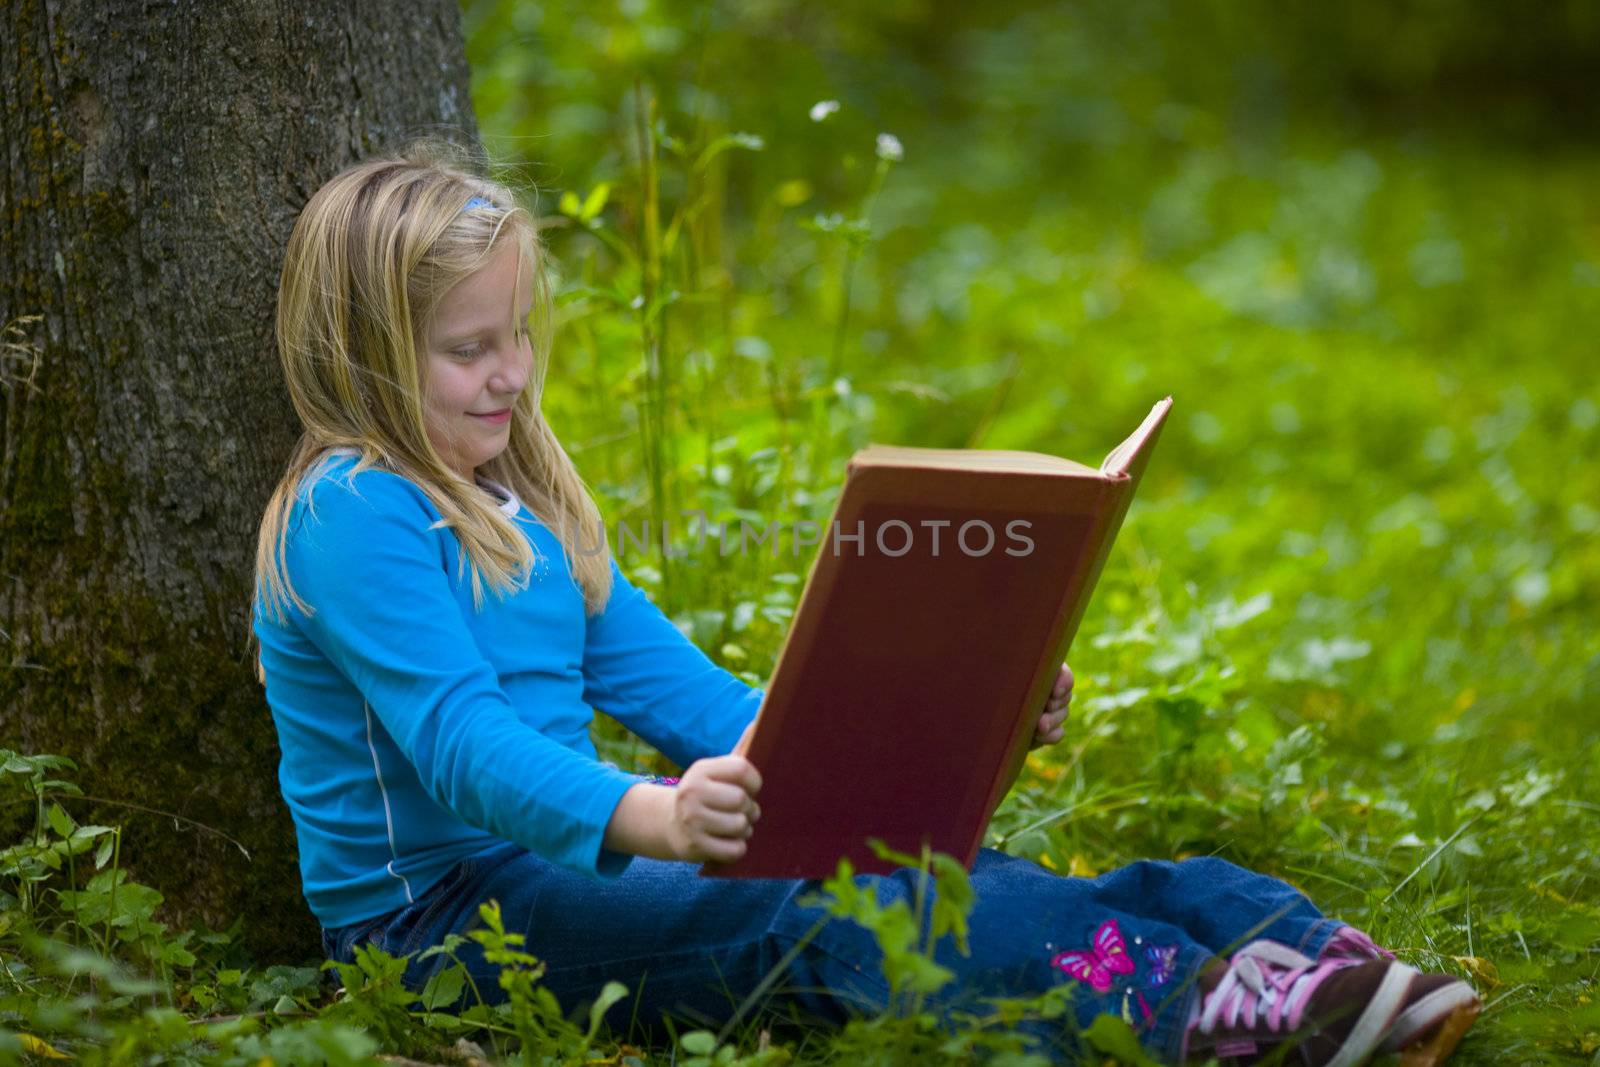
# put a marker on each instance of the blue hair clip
(478, 201)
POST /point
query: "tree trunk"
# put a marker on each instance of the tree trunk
(156, 156)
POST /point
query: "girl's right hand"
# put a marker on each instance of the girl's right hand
(714, 809)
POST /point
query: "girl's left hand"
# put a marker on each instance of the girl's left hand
(1051, 726)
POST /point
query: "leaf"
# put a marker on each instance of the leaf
(568, 204)
(60, 821)
(953, 902)
(1481, 970)
(613, 992)
(1227, 615)
(919, 974)
(103, 853)
(450, 943)
(1315, 659)
(444, 988)
(36, 1047)
(595, 202)
(1113, 1036)
(699, 1042)
(102, 882)
(177, 955)
(884, 852)
(1577, 932)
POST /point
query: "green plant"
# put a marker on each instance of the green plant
(912, 1030)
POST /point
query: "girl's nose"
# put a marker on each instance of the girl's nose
(511, 376)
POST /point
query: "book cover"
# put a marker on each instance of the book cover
(942, 600)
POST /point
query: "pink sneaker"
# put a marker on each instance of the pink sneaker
(1273, 1004)
(1351, 944)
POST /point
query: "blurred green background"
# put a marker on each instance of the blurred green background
(1349, 634)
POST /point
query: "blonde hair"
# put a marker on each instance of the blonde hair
(371, 254)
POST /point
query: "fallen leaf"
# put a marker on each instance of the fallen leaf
(37, 1047)
(1480, 969)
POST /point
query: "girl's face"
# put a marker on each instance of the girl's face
(478, 359)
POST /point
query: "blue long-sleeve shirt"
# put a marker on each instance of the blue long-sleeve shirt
(416, 731)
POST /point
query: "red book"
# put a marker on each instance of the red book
(942, 601)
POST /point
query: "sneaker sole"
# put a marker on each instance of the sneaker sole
(1427, 1014)
(1437, 1048)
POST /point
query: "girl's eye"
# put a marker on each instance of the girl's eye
(467, 353)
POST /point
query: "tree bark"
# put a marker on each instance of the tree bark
(156, 156)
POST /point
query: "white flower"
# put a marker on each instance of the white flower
(822, 109)
(889, 148)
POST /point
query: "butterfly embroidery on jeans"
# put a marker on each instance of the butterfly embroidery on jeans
(1163, 960)
(1108, 956)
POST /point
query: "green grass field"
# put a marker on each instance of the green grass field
(1348, 635)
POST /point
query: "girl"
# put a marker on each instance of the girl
(435, 624)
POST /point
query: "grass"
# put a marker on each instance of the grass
(1348, 635)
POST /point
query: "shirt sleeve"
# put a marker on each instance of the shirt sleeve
(640, 668)
(385, 614)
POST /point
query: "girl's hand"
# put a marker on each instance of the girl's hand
(714, 809)
(1051, 727)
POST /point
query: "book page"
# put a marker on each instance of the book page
(979, 459)
(1121, 456)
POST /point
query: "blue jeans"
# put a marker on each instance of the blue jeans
(1131, 941)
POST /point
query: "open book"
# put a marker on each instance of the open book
(943, 598)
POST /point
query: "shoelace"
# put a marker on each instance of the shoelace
(1265, 984)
